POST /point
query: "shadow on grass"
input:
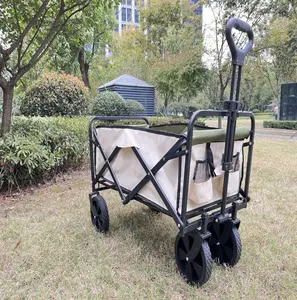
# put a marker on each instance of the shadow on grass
(153, 232)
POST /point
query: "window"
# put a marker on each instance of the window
(136, 15)
(129, 2)
(117, 14)
(198, 10)
(124, 14)
(136, 3)
(129, 14)
(124, 2)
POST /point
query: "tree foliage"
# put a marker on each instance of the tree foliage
(129, 54)
(174, 47)
(84, 36)
(254, 12)
(28, 29)
(278, 52)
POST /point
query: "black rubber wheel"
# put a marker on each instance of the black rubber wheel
(99, 214)
(193, 258)
(225, 243)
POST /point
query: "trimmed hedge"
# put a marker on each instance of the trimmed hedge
(134, 108)
(281, 124)
(109, 104)
(55, 95)
(113, 104)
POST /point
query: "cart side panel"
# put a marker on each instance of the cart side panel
(127, 167)
(153, 147)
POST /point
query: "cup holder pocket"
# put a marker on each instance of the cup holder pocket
(233, 185)
(201, 186)
(234, 179)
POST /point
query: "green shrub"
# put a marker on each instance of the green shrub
(37, 148)
(42, 125)
(22, 160)
(78, 125)
(192, 107)
(281, 124)
(171, 120)
(29, 126)
(55, 95)
(178, 109)
(134, 108)
(109, 104)
(183, 109)
(256, 111)
(268, 111)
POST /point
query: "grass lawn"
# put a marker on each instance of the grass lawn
(50, 250)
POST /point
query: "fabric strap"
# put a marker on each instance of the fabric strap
(210, 162)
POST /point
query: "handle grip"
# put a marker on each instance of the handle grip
(238, 55)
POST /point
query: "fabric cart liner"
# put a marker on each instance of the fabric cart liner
(204, 186)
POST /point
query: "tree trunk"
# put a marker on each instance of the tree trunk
(166, 104)
(7, 109)
(222, 91)
(84, 68)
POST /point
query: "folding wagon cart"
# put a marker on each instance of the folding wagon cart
(191, 173)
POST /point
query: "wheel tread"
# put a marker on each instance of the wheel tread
(233, 236)
(104, 214)
(208, 260)
(238, 247)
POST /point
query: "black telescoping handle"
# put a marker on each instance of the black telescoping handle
(238, 55)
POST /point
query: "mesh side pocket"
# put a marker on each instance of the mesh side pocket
(201, 172)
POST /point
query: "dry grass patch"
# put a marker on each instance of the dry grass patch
(49, 249)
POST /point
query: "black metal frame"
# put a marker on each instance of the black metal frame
(182, 148)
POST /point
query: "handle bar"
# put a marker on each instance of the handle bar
(238, 55)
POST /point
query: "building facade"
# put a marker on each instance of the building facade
(128, 14)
